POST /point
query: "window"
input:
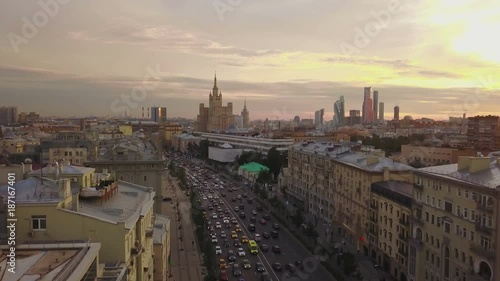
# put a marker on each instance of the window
(464, 232)
(447, 227)
(471, 236)
(437, 243)
(490, 221)
(144, 178)
(459, 192)
(457, 230)
(466, 213)
(433, 201)
(472, 215)
(426, 216)
(466, 194)
(432, 219)
(459, 213)
(448, 206)
(428, 199)
(439, 204)
(38, 222)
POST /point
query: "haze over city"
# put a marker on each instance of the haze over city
(285, 58)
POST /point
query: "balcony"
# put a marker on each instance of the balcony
(402, 251)
(149, 232)
(137, 248)
(403, 237)
(485, 208)
(418, 186)
(417, 220)
(481, 251)
(404, 222)
(484, 229)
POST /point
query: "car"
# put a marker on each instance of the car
(214, 240)
(244, 239)
(236, 209)
(290, 267)
(218, 250)
(247, 264)
(221, 216)
(299, 265)
(218, 225)
(236, 270)
(226, 211)
(234, 235)
(276, 249)
(266, 235)
(242, 215)
(210, 207)
(267, 217)
(277, 266)
(214, 216)
(223, 195)
(249, 201)
(237, 243)
(239, 197)
(259, 267)
(257, 237)
(226, 221)
(238, 228)
(264, 247)
(228, 225)
(242, 207)
(251, 227)
(254, 212)
(276, 226)
(241, 252)
(274, 234)
(233, 199)
(223, 234)
(253, 219)
(222, 263)
(226, 243)
(219, 209)
(223, 275)
(231, 257)
(262, 221)
(265, 277)
(259, 209)
(234, 221)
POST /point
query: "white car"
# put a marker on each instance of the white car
(205, 198)
(226, 221)
(241, 252)
(223, 234)
(214, 240)
(218, 250)
(214, 216)
(218, 225)
(257, 237)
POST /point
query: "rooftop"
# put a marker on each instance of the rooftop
(254, 167)
(161, 228)
(58, 262)
(36, 190)
(128, 148)
(62, 169)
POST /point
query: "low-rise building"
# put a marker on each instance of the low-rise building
(454, 223)
(224, 153)
(256, 143)
(181, 142)
(431, 155)
(250, 171)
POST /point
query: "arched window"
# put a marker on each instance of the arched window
(419, 234)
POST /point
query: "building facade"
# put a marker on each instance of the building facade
(454, 223)
(159, 114)
(245, 115)
(483, 132)
(381, 112)
(215, 117)
(432, 156)
(8, 115)
(339, 112)
(375, 106)
(318, 118)
(396, 113)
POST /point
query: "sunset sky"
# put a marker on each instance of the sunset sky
(433, 58)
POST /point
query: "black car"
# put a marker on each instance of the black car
(237, 243)
(223, 195)
(259, 267)
(251, 227)
(231, 256)
(266, 235)
(264, 247)
(259, 208)
(233, 199)
(227, 243)
(277, 266)
(242, 215)
(290, 267)
(253, 219)
(276, 249)
(274, 234)
(249, 201)
(236, 270)
(299, 265)
(265, 277)
(276, 226)
(267, 217)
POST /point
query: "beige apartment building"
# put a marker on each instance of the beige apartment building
(454, 222)
(134, 160)
(333, 183)
(391, 207)
(118, 215)
(431, 155)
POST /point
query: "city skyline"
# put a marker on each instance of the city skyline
(424, 78)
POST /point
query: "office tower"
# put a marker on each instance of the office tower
(339, 112)
(159, 114)
(215, 117)
(396, 113)
(375, 106)
(366, 96)
(483, 132)
(318, 118)
(245, 115)
(8, 115)
(354, 118)
(381, 112)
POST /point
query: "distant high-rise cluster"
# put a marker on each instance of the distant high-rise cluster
(367, 116)
(396, 113)
(381, 113)
(159, 114)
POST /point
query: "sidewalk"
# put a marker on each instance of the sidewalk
(185, 261)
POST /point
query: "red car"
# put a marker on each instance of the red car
(223, 275)
(262, 221)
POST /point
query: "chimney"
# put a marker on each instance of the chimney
(478, 164)
(463, 162)
(76, 202)
(386, 173)
(64, 188)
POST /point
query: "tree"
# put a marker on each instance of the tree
(274, 161)
(298, 218)
(203, 149)
(264, 177)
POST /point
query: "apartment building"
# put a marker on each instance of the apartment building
(161, 247)
(77, 147)
(431, 155)
(119, 215)
(454, 223)
(181, 142)
(483, 132)
(334, 182)
(134, 160)
(391, 207)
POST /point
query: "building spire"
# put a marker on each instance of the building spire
(215, 79)
(245, 105)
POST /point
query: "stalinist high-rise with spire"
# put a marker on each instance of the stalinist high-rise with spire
(246, 116)
(215, 117)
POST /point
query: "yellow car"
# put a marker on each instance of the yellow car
(244, 239)
(234, 235)
(238, 228)
(222, 264)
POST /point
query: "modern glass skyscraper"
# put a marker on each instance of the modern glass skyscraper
(339, 112)
(375, 106)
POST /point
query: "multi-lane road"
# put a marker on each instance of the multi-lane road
(227, 199)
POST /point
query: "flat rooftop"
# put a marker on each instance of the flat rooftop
(58, 262)
(161, 228)
(127, 148)
(37, 190)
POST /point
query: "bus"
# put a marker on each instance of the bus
(252, 245)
